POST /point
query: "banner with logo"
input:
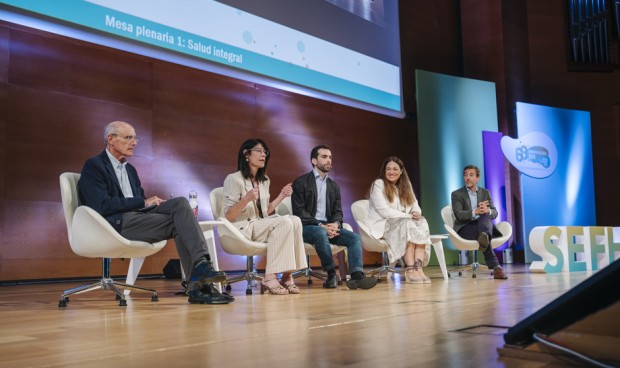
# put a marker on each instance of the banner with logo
(554, 155)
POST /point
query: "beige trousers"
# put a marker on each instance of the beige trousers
(285, 245)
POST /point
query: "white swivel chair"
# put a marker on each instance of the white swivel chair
(285, 208)
(233, 242)
(472, 245)
(90, 235)
(370, 243)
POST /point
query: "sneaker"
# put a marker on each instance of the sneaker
(363, 283)
(483, 240)
(499, 274)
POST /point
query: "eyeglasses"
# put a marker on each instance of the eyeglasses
(260, 151)
(128, 138)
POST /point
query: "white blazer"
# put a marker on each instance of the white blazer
(380, 209)
(235, 187)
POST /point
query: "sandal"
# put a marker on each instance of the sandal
(417, 265)
(413, 279)
(273, 287)
(290, 286)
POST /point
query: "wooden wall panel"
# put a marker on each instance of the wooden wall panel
(4, 54)
(3, 120)
(72, 67)
(195, 92)
(54, 133)
(429, 41)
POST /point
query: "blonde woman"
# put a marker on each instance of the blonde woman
(396, 217)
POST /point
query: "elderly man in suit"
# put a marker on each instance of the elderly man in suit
(474, 212)
(111, 186)
(316, 201)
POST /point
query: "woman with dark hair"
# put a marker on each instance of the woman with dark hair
(247, 206)
(395, 216)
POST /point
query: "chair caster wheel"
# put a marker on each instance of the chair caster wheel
(228, 287)
(122, 303)
(460, 273)
(379, 280)
(309, 281)
(154, 298)
(339, 281)
(117, 297)
(473, 276)
(62, 303)
(248, 292)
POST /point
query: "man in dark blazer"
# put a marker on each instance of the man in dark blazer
(111, 186)
(474, 212)
(316, 201)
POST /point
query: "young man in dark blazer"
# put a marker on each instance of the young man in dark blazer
(111, 186)
(316, 201)
(474, 212)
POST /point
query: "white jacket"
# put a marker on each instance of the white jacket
(380, 209)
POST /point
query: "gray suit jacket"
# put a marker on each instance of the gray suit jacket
(461, 205)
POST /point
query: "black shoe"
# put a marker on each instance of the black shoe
(331, 282)
(198, 297)
(363, 283)
(210, 289)
(483, 240)
(204, 272)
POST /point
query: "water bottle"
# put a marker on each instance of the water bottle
(193, 202)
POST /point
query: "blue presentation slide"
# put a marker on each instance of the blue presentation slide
(219, 33)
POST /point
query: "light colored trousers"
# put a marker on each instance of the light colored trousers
(285, 245)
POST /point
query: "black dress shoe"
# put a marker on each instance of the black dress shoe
(204, 272)
(363, 283)
(212, 290)
(331, 282)
(198, 297)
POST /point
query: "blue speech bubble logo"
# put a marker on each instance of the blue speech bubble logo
(534, 154)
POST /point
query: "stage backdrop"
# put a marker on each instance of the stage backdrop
(452, 113)
(554, 155)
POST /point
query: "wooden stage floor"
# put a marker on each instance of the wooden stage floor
(458, 322)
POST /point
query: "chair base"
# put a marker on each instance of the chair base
(385, 269)
(247, 276)
(106, 284)
(474, 267)
(309, 272)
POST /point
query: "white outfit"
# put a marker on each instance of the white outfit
(392, 222)
(283, 234)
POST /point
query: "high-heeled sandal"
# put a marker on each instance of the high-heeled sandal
(276, 289)
(417, 265)
(292, 288)
(413, 279)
